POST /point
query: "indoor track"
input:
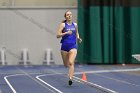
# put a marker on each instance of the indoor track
(53, 79)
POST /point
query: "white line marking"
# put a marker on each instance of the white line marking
(97, 86)
(101, 71)
(76, 73)
(106, 71)
(36, 80)
(12, 88)
(9, 84)
(122, 81)
(91, 84)
(97, 71)
(48, 84)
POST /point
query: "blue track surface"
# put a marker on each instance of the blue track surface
(53, 79)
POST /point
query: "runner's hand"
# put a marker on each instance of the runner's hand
(69, 32)
(79, 40)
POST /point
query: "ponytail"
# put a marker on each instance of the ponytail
(63, 21)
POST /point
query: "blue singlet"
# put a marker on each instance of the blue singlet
(69, 41)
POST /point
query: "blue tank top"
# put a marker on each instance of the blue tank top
(69, 38)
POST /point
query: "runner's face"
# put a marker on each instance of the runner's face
(68, 16)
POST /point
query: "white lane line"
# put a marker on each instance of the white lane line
(38, 77)
(100, 71)
(25, 73)
(89, 83)
(122, 81)
(12, 88)
(97, 71)
(9, 84)
(107, 71)
(107, 90)
(77, 80)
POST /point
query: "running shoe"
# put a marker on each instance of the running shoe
(70, 82)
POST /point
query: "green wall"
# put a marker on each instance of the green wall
(110, 33)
